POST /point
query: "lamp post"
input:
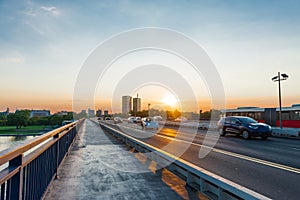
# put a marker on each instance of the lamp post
(278, 78)
(149, 109)
(200, 111)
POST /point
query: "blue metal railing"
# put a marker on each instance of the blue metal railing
(28, 177)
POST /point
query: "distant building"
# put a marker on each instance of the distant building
(39, 113)
(136, 104)
(91, 113)
(62, 113)
(105, 112)
(99, 113)
(82, 114)
(5, 113)
(126, 104)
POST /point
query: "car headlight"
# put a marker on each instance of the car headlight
(253, 127)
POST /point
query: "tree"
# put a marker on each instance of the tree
(56, 119)
(3, 120)
(81, 115)
(69, 116)
(177, 114)
(211, 114)
(43, 121)
(173, 114)
(33, 121)
(19, 118)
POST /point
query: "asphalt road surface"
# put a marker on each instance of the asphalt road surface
(270, 167)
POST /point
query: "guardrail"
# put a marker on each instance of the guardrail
(28, 176)
(212, 185)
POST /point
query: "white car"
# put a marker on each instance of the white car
(180, 119)
(138, 120)
(131, 120)
(117, 120)
(157, 118)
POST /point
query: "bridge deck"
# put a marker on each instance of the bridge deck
(99, 167)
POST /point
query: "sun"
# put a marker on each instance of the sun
(169, 100)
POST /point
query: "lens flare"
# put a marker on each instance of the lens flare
(170, 100)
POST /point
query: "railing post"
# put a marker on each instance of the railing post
(220, 194)
(203, 187)
(67, 141)
(57, 155)
(17, 180)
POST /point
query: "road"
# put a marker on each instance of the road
(270, 167)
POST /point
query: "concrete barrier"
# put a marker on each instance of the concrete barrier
(293, 133)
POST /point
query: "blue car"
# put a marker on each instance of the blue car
(244, 126)
(148, 123)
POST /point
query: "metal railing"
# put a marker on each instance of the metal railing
(29, 169)
(214, 186)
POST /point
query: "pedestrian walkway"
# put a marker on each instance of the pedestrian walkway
(99, 167)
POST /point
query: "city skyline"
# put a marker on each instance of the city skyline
(248, 42)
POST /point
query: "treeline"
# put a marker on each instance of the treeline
(22, 118)
(153, 112)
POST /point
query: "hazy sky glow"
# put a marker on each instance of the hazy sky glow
(44, 43)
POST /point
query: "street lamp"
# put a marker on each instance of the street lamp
(149, 109)
(278, 78)
(200, 115)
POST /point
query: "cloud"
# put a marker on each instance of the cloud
(11, 60)
(11, 57)
(30, 13)
(51, 9)
(35, 11)
(37, 15)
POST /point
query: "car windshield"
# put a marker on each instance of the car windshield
(247, 120)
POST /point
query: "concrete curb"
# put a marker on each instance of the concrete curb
(292, 133)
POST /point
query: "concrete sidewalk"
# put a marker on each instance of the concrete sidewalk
(99, 167)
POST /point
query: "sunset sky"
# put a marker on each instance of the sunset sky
(43, 45)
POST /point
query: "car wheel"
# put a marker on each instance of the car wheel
(264, 137)
(245, 134)
(222, 132)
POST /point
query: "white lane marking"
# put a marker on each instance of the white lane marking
(244, 157)
(296, 149)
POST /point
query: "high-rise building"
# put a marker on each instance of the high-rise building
(99, 113)
(136, 104)
(126, 104)
(105, 112)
